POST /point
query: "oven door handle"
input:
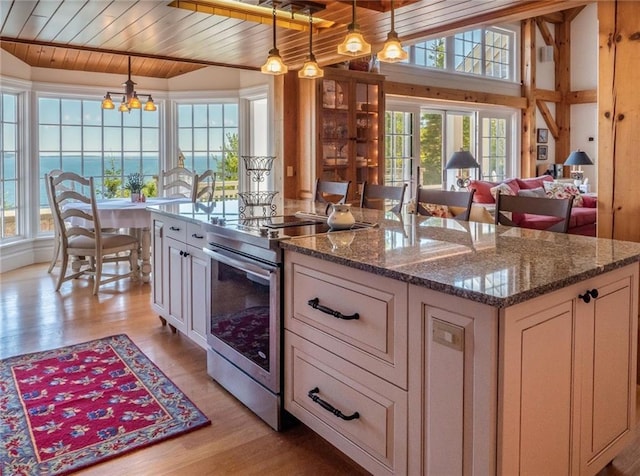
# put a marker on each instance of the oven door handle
(241, 264)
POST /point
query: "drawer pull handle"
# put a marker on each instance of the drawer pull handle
(174, 228)
(327, 406)
(199, 237)
(315, 303)
(586, 297)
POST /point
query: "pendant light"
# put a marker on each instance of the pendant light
(274, 64)
(392, 51)
(310, 68)
(354, 43)
(130, 100)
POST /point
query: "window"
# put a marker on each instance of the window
(493, 156)
(9, 171)
(430, 53)
(208, 138)
(468, 52)
(488, 52)
(77, 135)
(399, 147)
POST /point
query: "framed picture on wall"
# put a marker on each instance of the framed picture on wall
(542, 152)
(543, 136)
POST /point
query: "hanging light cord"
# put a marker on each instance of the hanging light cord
(353, 13)
(393, 26)
(274, 24)
(310, 32)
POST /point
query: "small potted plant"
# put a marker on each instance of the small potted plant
(135, 182)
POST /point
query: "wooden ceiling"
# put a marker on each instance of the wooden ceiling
(169, 38)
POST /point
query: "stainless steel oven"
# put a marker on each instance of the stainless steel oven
(244, 330)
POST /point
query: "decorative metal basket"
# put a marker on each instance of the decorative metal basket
(257, 199)
(258, 166)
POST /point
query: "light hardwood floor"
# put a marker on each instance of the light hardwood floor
(33, 317)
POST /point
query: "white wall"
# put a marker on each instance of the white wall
(584, 76)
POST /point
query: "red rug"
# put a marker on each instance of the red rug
(68, 408)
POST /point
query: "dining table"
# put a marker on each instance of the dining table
(119, 213)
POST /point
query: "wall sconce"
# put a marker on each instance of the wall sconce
(130, 99)
(310, 68)
(354, 43)
(392, 51)
(274, 64)
(462, 159)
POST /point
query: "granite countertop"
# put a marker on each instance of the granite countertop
(499, 266)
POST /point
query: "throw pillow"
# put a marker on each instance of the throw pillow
(501, 188)
(563, 190)
(534, 182)
(434, 210)
(483, 191)
(532, 192)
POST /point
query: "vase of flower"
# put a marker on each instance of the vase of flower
(135, 182)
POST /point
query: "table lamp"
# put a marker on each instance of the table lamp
(576, 159)
(462, 159)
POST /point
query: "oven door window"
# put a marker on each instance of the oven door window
(241, 310)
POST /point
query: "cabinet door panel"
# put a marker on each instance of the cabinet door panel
(176, 283)
(199, 279)
(546, 388)
(611, 369)
(538, 376)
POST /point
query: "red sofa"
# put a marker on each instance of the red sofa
(583, 218)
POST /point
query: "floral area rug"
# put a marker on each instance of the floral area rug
(68, 408)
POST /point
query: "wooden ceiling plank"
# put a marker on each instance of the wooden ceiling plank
(72, 23)
(39, 18)
(150, 36)
(110, 22)
(17, 17)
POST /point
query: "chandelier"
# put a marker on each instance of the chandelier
(130, 99)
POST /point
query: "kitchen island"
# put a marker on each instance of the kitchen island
(431, 346)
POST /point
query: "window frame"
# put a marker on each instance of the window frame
(512, 31)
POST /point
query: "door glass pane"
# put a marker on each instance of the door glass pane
(431, 148)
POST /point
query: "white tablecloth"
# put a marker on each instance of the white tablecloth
(123, 213)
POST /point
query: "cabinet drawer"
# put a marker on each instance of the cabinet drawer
(376, 439)
(376, 340)
(196, 236)
(176, 229)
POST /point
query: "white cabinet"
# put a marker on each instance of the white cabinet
(346, 359)
(181, 279)
(568, 380)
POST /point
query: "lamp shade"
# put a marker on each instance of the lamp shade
(578, 157)
(462, 159)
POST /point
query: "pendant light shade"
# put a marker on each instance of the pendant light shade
(310, 68)
(392, 51)
(354, 43)
(274, 64)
